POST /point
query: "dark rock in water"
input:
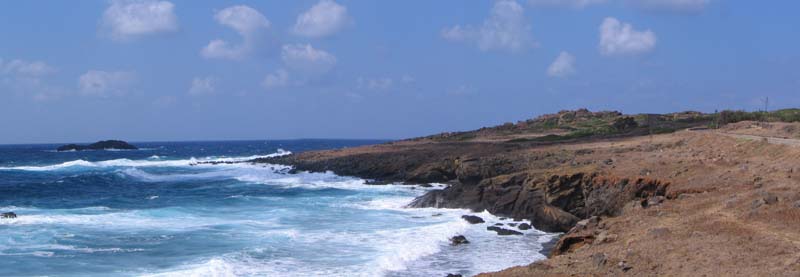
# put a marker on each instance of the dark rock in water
(502, 231)
(473, 219)
(512, 224)
(498, 224)
(437, 214)
(9, 215)
(524, 226)
(100, 145)
(453, 275)
(458, 240)
(553, 204)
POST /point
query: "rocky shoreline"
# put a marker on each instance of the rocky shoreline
(688, 203)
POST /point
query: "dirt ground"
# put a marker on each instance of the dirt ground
(734, 209)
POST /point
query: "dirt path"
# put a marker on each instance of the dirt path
(773, 140)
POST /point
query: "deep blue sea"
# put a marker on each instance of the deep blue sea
(153, 212)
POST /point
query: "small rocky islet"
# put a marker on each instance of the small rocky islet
(100, 145)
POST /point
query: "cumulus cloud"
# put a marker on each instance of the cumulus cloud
(563, 66)
(674, 6)
(565, 3)
(247, 22)
(618, 38)
(201, 86)
(278, 79)
(323, 19)
(505, 29)
(105, 83)
(128, 19)
(306, 59)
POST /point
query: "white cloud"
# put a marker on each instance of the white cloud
(380, 84)
(323, 19)
(280, 78)
(201, 86)
(563, 66)
(306, 59)
(129, 19)
(505, 29)
(674, 6)
(28, 77)
(565, 3)
(104, 83)
(246, 21)
(618, 38)
(22, 68)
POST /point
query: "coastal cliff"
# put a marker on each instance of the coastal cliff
(628, 199)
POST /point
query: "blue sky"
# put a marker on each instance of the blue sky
(191, 70)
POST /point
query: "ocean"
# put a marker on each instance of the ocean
(156, 212)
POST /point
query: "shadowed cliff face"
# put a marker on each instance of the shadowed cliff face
(554, 204)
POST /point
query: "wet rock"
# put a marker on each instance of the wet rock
(9, 215)
(437, 214)
(453, 275)
(473, 219)
(503, 231)
(498, 224)
(512, 224)
(456, 240)
(524, 226)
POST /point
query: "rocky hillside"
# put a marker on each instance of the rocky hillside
(680, 203)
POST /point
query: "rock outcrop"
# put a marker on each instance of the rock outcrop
(553, 204)
(8, 215)
(100, 145)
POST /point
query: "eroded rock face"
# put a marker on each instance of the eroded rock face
(553, 204)
(473, 219)
(503, 231)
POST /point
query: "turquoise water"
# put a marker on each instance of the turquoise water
(154, 212)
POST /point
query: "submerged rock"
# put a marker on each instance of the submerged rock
(456, 240)
(9, 215)
(473, 219)
(100, 145)
(524, 226)
(503, 231)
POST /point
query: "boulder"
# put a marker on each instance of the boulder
(100, 145)
(473, 219)
(9, 215)
(456, 240)
(503, 231)
(524, 226)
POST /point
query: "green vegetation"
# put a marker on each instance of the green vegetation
(583, 124)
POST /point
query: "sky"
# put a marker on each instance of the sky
(157, 70)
